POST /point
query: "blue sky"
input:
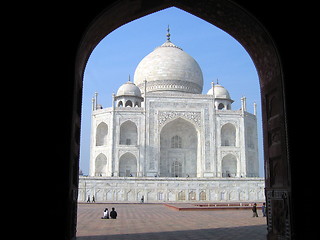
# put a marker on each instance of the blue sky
(219, 55)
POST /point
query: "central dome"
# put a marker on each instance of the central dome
(169, 68)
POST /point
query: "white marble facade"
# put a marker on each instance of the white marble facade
(162, 137)
(160, 190)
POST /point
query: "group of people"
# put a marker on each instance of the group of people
(255, 212)
(113, 214)
(93, 200)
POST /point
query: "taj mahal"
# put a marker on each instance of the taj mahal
(166, 141)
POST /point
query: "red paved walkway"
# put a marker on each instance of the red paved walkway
(155, 221)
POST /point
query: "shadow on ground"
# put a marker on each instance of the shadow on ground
(235, 233)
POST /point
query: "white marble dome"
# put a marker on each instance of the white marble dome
(169, 68)
(219, 92)
(129, 89)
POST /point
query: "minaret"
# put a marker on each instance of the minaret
(93, 104)
(213, 97)
(212, 85)
(244, 104)
(145, 89)
(113, 100)
(96, 100)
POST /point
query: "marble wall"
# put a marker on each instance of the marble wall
(131, 189)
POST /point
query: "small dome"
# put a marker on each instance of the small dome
(129, 89)
(219, 92)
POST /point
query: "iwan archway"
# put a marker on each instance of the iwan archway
(179, 149)
(256, 40)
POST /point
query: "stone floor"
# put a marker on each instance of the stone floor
(156, 221)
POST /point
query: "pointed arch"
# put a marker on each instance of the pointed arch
(128, 165)
(202, 196)
(220, 106)
(101, 165)
(101, 134)
(178, 149)
(181, 196)
(229, 166)
(192, 196)
(128, 103)
(228, 135)
(128, 133)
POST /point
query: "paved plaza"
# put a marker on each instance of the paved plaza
(156, 221)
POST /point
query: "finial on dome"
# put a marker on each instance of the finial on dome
(129, 78)
(168, 34)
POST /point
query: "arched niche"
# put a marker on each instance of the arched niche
(128, 133)
(178, 149)
(101, 134)
(100, 165)
(128, 165)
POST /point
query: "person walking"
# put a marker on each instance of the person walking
(113, 214)
(263, 209)
(254, 210)
(88, 198)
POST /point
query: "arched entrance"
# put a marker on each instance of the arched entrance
(128, 165)
(229, 166)
(101, 134)
(101, 165)
(128, 133)
(178, 149)
(228, 135)
(255, 39)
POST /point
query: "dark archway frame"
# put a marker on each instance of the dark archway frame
(244, 27)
